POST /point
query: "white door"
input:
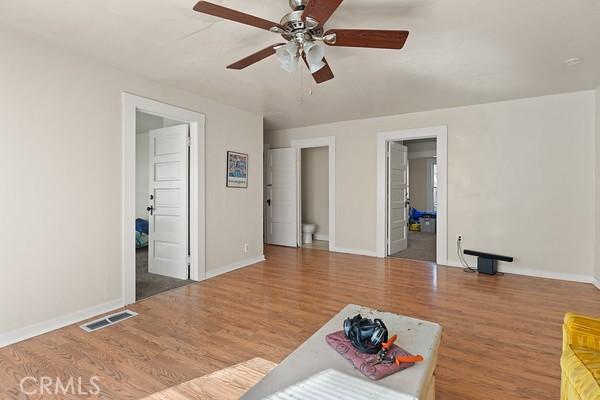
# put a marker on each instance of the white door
(397, 205)
(168, 202)
(281, 199)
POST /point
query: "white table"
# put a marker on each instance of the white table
(315, 355)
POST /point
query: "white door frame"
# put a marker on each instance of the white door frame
(131, 104)
(441, 134)
(329, 142)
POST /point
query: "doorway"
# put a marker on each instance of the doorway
(319, 154)
(162, 205)
(399, 195)
(420, 200)
(174, 199)
(314, 197)
(283, 193)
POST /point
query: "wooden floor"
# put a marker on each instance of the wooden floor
(501, 338)
(226, 384)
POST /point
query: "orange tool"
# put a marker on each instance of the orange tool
(408, 359)
(388, 345)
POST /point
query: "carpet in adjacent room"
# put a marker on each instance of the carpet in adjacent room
(421, 246)
(147, 284)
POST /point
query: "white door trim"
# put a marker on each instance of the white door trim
(130, 105)
(441, 134)
(329, 142)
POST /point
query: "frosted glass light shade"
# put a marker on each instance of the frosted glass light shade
(314, 56)
(288, 57)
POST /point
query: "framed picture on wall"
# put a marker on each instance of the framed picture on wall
(237, 170)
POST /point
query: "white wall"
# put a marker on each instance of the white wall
(418, 181)
(420, 154)
(60, 176)
(142, 174)
(520, 179)
(315, 189)
(421, 148)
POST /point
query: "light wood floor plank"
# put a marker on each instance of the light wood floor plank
(227, 384)
(502, 335)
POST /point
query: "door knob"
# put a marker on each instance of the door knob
(269, 202)
(151, 209)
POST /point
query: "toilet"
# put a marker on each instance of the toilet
(308, 230)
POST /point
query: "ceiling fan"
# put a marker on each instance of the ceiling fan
(302, 29)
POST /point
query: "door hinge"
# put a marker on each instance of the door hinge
(188, 260)
(188, 141)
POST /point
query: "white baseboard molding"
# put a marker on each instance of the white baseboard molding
(40, 328)
(531, 272)
(596, 282)
(321, 236)
(232, 267)
(357, 252)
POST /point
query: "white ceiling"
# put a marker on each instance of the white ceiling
(459, 52)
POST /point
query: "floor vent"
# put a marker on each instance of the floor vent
(108, 321)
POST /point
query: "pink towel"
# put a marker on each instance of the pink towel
(360, 361)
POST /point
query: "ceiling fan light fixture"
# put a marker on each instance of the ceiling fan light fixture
(314, 56)
(316, 67)
(301, 28)
(288, 56)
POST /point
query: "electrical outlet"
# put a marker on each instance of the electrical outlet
(460, 238)
(246, 248)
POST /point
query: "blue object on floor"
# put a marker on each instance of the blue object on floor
(141, 240)
(416, 215)
(141, 225)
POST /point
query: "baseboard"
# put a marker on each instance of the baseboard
(357, 252)
(321, 236)
(40, 328)
(596, 282)
(531, 272)
(232, 267)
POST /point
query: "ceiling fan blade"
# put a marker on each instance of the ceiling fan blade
(254, 58)
(233, 15)
(322, 75)
(378, 39)
(320, 10)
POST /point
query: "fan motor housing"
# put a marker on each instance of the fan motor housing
(293, 23)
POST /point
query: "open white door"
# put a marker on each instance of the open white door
(397, 205)
(168, 204)
(281, 197)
